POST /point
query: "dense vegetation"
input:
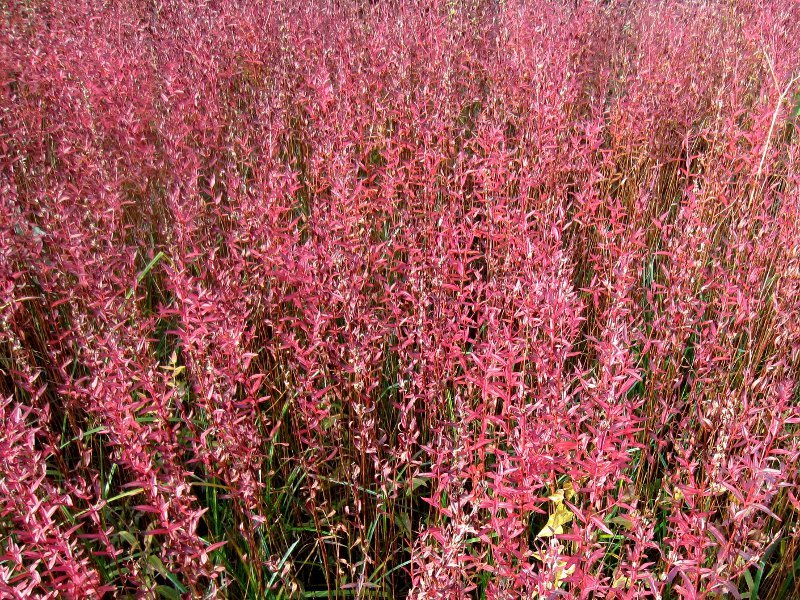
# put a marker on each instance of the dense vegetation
(426, 299)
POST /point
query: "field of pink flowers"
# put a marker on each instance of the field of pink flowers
(458, 299)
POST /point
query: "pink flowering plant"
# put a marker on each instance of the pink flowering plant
(458, 299)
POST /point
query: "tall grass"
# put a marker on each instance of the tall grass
(429, 299)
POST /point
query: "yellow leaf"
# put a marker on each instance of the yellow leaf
(621, 582)
(569, 491)
(622, 521)
(562, 573)
(555, 524)
(565, 493)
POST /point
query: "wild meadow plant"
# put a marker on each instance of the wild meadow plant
(383, 299)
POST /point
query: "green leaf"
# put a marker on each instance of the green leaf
(145, 271)
(156, 563)
(164, 591)
(128, 537)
